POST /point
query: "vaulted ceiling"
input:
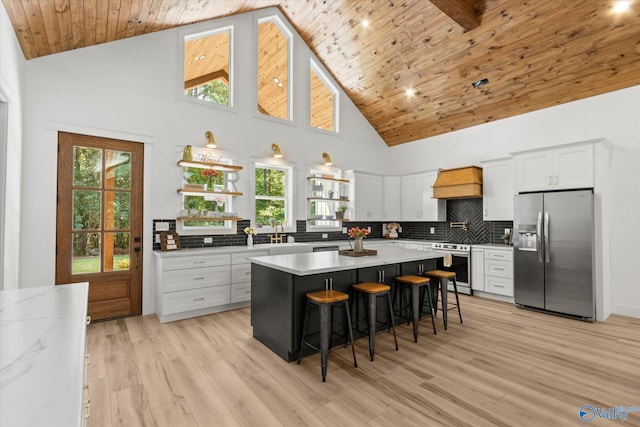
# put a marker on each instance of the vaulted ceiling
(535, 53)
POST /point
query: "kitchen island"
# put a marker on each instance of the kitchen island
(279, 284)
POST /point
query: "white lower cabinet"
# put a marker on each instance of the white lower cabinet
(492, 270)
(195, 299)
(196, 284)
(477, 269)
(498, 271)
(241, 276)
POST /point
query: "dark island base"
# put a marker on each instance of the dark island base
(278, 301)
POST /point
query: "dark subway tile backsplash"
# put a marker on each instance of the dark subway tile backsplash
(469, 210)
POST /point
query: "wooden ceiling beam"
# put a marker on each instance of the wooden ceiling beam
(220, 74)
(461, 11)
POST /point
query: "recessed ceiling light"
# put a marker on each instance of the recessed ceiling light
(480, 83)
(410, 92)
(621, 6)
(198, 58)
(365, 22)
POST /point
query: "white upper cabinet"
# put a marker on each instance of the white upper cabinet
(392, 198)
(555, 169)
(366, 196)
(417, 200)
(497, 190)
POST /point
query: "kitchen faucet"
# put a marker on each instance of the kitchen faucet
(276, 238)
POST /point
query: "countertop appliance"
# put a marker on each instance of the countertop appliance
(554, 252)
(459, 263)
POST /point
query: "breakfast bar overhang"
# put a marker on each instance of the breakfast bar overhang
(279, 284)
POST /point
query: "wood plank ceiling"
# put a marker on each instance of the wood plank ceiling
(536, 54)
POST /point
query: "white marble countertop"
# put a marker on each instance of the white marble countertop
(494, 246)
(42, 350)
(343, 244)
(323, 262)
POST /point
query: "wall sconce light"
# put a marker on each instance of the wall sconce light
(327, 159)
(211, 142)
(277, 154)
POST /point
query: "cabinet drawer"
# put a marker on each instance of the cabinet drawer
(194, 299)
(183, 262)
(241, 273)
(497, 268)
(180, 280)
(241, 292)
(498, 254)
(499, 285)
(241, 257)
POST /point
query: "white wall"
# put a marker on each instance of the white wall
(614, 116)
(12, 71)
(130, 88)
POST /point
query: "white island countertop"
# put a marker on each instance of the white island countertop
(42, 350)
(324, 262)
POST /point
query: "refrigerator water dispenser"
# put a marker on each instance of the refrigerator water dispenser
(527, 240)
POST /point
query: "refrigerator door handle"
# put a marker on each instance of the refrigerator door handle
(546, 237)
(538, 234)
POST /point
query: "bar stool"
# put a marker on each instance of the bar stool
(372, 291)
(443, 278)
(415, 284)
(326, 300)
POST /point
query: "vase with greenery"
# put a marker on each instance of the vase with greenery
(507, 238)
(340, 211)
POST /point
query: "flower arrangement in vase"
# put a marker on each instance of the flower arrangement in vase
(212, 175)
(250, 232)
(358, 234)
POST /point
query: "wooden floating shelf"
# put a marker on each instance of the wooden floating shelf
(334, 219)
(327, 199)
(206, 165)
(207, 218)
(328, 178)
(202, 193)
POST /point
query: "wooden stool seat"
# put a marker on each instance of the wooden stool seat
(440, 274)
(412, 280)
(328, 296)
(372, 287)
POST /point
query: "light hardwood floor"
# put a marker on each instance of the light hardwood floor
(504, 366)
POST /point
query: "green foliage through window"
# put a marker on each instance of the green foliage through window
(271, 190)
(216, 91)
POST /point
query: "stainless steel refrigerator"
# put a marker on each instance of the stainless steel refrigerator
(553, 235)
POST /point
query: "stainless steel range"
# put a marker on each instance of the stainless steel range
(460, 264)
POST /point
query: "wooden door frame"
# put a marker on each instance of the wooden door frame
(53, 128)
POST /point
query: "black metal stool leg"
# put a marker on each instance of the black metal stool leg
(353, 350)
(428, 292)
(455, 290)
(304, 328)
(325, 336)
(393, 323)
(415, 310)
(444, 292)
(371, 316)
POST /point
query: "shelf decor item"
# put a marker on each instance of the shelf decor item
(340, 212)
(187, 153)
